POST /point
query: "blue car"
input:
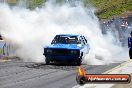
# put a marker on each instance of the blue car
(66, 47)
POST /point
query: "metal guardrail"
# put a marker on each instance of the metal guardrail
(2, 47)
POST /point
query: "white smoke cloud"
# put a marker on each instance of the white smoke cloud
(30, 31)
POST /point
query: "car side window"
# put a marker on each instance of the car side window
(85, 39)
(83, 42)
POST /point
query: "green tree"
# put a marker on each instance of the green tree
(32, 4)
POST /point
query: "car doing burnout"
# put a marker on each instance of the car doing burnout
(66, 47)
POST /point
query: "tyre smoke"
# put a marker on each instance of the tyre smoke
(31, 30)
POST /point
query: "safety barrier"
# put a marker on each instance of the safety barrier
(6, 49)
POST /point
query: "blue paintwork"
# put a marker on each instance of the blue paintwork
(69, 35)
(71, 57)
(64, 46)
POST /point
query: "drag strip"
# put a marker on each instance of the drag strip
(38, 75)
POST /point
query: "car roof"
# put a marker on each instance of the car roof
(69, 35)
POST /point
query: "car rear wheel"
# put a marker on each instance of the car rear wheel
(47, 61)
(79, 62)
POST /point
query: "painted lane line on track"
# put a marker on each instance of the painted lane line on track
(126, 62)
(4, 60)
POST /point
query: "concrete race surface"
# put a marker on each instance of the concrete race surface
(18, 74)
